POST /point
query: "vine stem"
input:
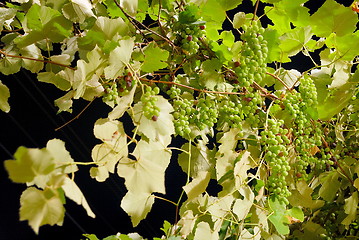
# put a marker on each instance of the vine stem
(35, 59)
(165, 199)
(192, 88)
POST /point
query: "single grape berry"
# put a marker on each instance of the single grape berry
(236, 64)
(154, 118)
(189, 38)
(202, 27)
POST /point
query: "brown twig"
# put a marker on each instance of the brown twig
(191, 88)
(281, 81)
(255, 10)
(35, 59)
(76, 117)
(135, 22)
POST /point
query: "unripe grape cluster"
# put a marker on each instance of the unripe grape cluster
(183, 110)
(148, 99)
(274, 139)
(111, 92)
(206, 113)
(190, 38)
(307, 133)
(230, 113)
(308, 91)
(253, 59)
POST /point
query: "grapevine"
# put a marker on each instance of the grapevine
(213, 87)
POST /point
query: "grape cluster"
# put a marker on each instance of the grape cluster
(206, 113)
(183, 110)
(253, 59)
(230, 113)
(275, 139)
(111, 92)
(307, 133)
(308, 91)
(190, 38)
(251, 101)
(148, 99)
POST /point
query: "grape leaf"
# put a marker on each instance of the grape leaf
(162, 128)
(210, 77)
(4, 96)
(198, 185)
(104, 29)
(330, 185)
(78, 10)
(119, 58)
(44, 23)
(88, 73)
(29, 163)
(146, 174)
(137, 205)
(241, 207)
(123, 103)
(241, 167)
(204, 231)
(220, 208)
(350, 208)
(5, 15)
(41, 207)
(278, 216)
(62, 157)
(201, 159)
(155, 58)
(130, 6)
(10, 65)
(73, 192)
(56, 79)
(112, 150)
(302, 196)
(64, 103)
(239, 19)
(186, 223)
(286, 11)
(341, 20)
(293, 41)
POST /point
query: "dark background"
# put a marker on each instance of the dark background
(32, 122)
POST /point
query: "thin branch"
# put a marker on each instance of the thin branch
(255, 10)
(76, 117)
(281, 81)
(35, 59)
(135, 22)
(191, 88)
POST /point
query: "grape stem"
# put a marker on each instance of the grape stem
(35, 59)
(281, 81)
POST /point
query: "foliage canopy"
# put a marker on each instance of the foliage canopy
(282, 144)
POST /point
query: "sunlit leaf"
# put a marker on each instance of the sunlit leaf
(162, 128)
(78, 10)
(29, 163)
(41, 207)
(73, 192)
(137, 205)
(350, 207)
(146, 174)
(4, 96)
(155, 58)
